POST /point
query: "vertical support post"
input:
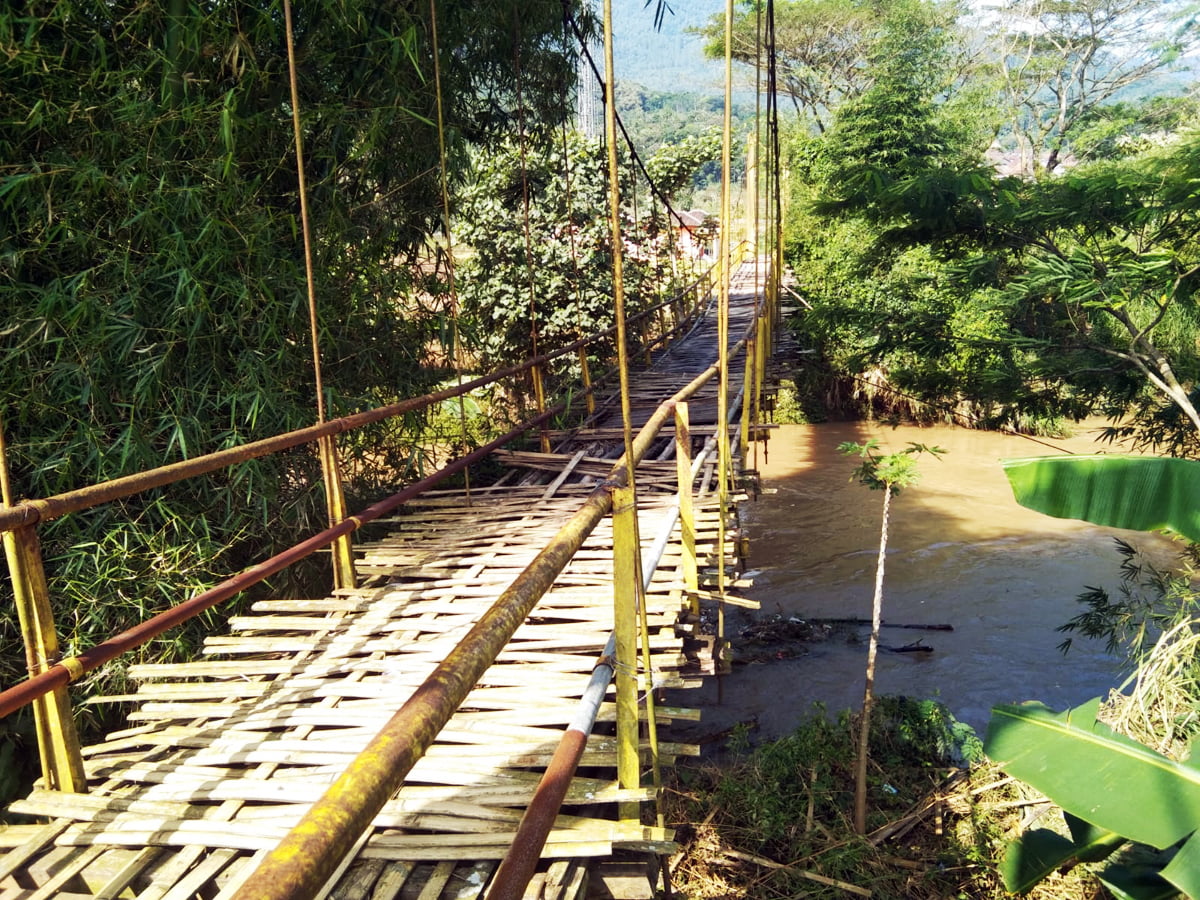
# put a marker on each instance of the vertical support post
(335, 500)
(585, 370)
(625, 591)
(687, 514)
(539, 396)
(750, 364)
(58, 741)
(760, 362)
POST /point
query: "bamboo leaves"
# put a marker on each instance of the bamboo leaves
(149, 267)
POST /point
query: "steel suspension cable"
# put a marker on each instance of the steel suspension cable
(539, 390)
(620, 124)
(584, 363)
(723, 448)
(614, 203)
(305, 227)
(777, 164)
(456, 348)
(759, 183)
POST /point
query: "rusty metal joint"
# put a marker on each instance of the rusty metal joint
(73, 665)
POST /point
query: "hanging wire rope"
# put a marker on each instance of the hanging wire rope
(776, 169)
(724, 255)
(614, 202)
(447, 233)
(539, 388)
(305, 227)
(589, 397)
(619, 124)
(759, 183)
(342, 556)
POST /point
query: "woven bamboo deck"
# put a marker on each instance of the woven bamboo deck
(223, 755)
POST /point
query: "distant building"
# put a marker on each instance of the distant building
(697, 230)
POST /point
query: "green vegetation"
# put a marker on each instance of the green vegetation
(536, 220)
(1112, 789)
(151, 269)
(1006, 236)
(659, 121)
(944, 289)
(775, 820)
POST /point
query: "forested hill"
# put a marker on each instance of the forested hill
(670, 60)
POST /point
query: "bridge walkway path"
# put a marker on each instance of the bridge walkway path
(223, 755)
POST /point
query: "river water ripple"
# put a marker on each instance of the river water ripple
(960, 552)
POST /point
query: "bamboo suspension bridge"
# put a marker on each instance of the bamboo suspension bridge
(224, 755)
(475, 708)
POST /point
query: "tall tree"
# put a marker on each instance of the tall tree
(150, 268)
(821, 50)
(1062, 59)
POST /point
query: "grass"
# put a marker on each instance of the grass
(775, 820)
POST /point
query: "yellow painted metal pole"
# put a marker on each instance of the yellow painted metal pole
(58, 741)
(342, 549)
(760, 361)
(651, 721)
(749, 365)
(628, 766)
(448, 235)
(335, 500)
(589, 397)
(625, 593)
(723, 448)
(539, 396)
(687, 514)
(614, 216)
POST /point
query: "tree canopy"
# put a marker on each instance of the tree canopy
(150, 262)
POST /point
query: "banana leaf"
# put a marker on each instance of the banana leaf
(1143, 493)
(1184, 870)
(1037, 853)
(1091, 772)
(1129, 883)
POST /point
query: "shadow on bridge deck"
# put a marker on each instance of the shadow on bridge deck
(223, 755)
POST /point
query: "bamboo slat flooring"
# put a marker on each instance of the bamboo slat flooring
(223, 755)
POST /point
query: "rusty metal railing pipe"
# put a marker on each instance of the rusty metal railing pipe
(310, 853)
(29, 512)
(45, 509)
(69, 669)
(521, 861)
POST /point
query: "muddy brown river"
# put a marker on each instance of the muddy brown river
(961, 552)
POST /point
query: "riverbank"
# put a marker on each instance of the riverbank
(774, 821)
(987, 581)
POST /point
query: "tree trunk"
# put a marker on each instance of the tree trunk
(864, 734)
